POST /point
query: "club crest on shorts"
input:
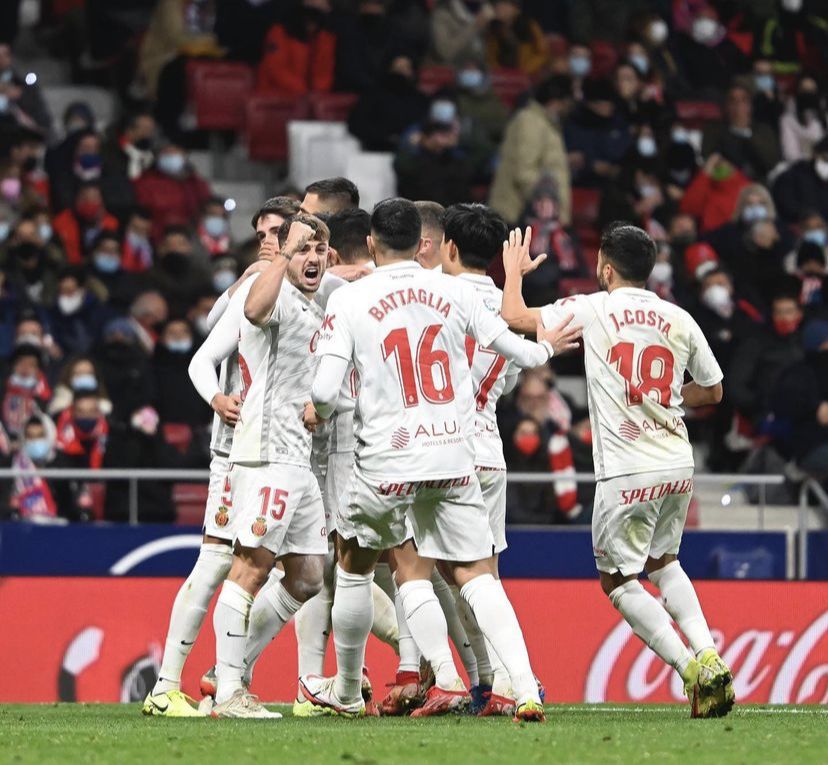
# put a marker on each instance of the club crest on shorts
(259, 527)
(222, 517)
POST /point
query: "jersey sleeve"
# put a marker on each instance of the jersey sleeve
(578, 305)
(701, 363)
(329, 283)
(336, 337)
(485, 323)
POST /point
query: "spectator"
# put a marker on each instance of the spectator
(136, 256)
(525, 453)
(579, 67)
(27, 390)
(198, 313)
(457, 31)
(177, 401)
(431, 214)
(78, 120)
(300, 52)
(653, 33)
(176, 274)
(754, 147)
(787, 34)
(803, 124)
(603, 19)
(637, 194)
(20, 99)
(811, 270)
(25, 155)
(77, 163)
(213, 230)
(362, 42)
(224, 274)
(435, 167)
(31, 497)
(680, 163)
(124, 370)
(79, 375)
(146, 315)
(79, 226)
(767, 102)
(30, 264)
(77, 315)
(110, 283)
(596, 135)
(804, 185)
(712, 194)
(384, 112)
(514, 40)
(171, 190)
(533, 147)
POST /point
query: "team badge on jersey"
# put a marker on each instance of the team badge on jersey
(259, 527)
(222, 517)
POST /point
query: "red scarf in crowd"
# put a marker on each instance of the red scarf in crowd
(20, 403)
(74, 442)
(31, 496)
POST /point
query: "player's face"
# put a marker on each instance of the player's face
(267, 232)
(600, 272)
(307, 267)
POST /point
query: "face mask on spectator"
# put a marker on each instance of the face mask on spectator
(821, 166)
(717, 298)
(223, 279)
(37, 450)
(679, 135)
(84, 382)
(705, 31)
(86, 424)
(201, 325)
(5, 228)
(754, 212)
(171, 164)
(215, 226)
(143, 144)
(792, 6)
(646, 146)
(785, 327)
(106, 262)
(179, 346)
(657, 31)
(45, 231)
(817, 236)
(470, 79)
(646, 190)
(69, 304)
(443, 111)
(640, 62)
(34, 340)
(579, 66)
(662, 273)
(721, 172)
(176, 262)
(764, 81)
(136, 241)
(88, 166)
(4, 103)
(10, 189)
(527, 443)
(27, 382)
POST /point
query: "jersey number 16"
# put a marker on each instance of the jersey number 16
(428, 374)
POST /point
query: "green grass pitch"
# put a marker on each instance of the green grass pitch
(577, 735)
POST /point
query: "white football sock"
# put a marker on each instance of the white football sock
(272, 610)
(683, 605)
(428, 627)
(188, 612)
(651, 623)
(485, 669)
(456, 631)
(499, 624)
(352, 614)
(409, 652)
(384, 579)
(313, 628)
(230, 621)
(384, 626)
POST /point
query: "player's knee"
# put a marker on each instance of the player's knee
(307, 587)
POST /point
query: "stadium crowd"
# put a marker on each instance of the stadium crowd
(702, 122)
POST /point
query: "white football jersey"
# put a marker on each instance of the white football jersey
(405, 330)
(488, 370)
(277, 365)
(637, 348)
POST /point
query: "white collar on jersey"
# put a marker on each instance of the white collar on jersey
(635, 290)
(476, 278)
(402, 264)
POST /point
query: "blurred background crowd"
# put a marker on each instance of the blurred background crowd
(702, 121)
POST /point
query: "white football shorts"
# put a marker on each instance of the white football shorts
(219, 517)
(493, 487)
(337, 480)
(639, 516)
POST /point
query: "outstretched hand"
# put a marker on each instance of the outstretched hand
(563, 338)
(516, 258)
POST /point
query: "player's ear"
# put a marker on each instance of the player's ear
(372, 251)
(333, 257)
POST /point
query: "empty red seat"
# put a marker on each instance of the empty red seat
(266, 125)
(695, 113)
(585, 204)
(508, 84)
(432, 78)
(177, 434)
(217, 92)
(604, 58)
(569, 287)
(332, 107)
(557, 45)
(189, 500)
(588, 236)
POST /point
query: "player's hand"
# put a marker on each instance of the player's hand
(268, 250)
(516, 258)
(298, 236)
(822, 413)
(310, 419)
(350, 272)
(227, 407)
(564, 337)
(254, 268)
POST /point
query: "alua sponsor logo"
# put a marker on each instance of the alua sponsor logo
(777, 666)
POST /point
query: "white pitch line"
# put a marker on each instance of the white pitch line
(680, 709)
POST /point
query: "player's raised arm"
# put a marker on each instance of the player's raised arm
(261, 300)
(516, 262)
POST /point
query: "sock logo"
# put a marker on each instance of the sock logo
(230, 634)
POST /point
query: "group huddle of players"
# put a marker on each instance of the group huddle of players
(358, 482)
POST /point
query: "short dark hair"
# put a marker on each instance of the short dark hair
(630, 250)
(104, 235)
(558, 87)
(341, 190)
(478, 231)
(175, 229)
(431, 214)
(396, 224)
(349, 230)
(282, 206)
(321, 230)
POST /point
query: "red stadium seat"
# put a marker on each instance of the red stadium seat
(569, 287)
(217, 92)
(508, 84)
(588, 236)
(266, 125)
(332, 107)
(178, 435)
(189, 500)
(604, 58)
(432, 78)
(696, 113)
(557, 45)
(585, 203)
